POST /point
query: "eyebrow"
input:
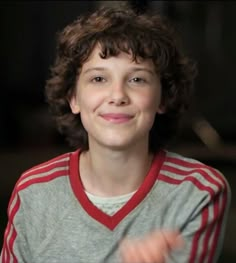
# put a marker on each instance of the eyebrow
(143, 69)
(134, 69)
(94, 69)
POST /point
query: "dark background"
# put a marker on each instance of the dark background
(28, 135)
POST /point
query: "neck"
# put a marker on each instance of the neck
(106, 172)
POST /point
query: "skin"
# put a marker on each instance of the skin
(153, 248)
(117, 99)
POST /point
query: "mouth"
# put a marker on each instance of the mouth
(117, 117)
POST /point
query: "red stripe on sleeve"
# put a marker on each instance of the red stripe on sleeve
(11, 243)
(192, 179)
(10, 232)
(204, 174)
(218, 228)
(43, 179)
(43, 169)
(197, 235)
(55, 161)
(195, 165)
(215, 199)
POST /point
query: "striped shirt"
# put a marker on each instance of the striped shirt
(52, 220)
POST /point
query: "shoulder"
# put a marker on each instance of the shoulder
(39, 184)
(178, 169)
(41, 197)
(194, 185)
(44, 172)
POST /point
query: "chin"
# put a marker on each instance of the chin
(117, 146)
(120, 146)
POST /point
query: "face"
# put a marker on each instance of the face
(117, 99)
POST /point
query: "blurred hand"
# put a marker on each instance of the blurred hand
(152, 248)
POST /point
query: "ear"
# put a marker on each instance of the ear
(74, 105)
(161, 109)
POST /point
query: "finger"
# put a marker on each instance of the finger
(173, 239)
(129, 252)
(149, 252)
(145, 250)
(156, 246)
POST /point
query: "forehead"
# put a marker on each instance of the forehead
(96, 58)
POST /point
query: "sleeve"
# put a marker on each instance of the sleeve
(204, 229)
(15, 247)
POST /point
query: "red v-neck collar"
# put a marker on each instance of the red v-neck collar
(112, 221)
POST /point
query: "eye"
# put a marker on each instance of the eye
(138, 80)
(98, 79)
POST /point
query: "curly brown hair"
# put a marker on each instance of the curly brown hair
(121, 30)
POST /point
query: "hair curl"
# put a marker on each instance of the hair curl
(118, 30)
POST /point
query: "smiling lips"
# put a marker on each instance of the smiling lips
(116, 117)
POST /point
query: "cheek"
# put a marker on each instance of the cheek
(89, 102)
(150, 103)
(151, 99)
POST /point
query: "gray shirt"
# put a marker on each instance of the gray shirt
(51, 219)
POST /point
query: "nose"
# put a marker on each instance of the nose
(118, 94)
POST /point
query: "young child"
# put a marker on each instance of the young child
(118, 88)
